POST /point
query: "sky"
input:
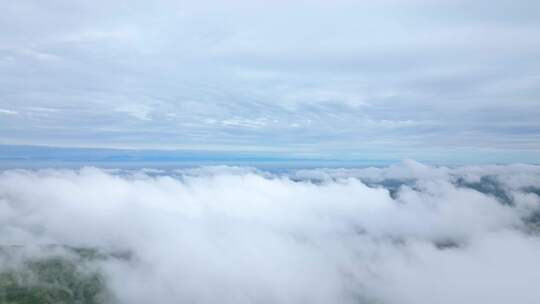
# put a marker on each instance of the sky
(429, 80)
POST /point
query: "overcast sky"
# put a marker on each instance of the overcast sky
(342, 78)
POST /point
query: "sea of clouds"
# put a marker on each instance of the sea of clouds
(407, 233)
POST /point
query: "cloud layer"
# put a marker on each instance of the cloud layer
(402, 234)
(309, 76)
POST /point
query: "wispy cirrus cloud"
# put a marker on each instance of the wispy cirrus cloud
(8, 112)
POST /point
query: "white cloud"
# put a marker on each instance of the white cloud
(141, 112)
(8, 112)
(241, 235)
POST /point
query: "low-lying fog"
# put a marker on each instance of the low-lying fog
(408, 233)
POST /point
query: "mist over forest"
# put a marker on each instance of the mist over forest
(407, 233)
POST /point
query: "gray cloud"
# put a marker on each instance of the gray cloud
(290, 76)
